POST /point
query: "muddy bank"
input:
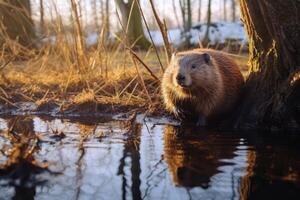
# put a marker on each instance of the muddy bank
(88, 109)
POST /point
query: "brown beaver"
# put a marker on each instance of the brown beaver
(201, 84)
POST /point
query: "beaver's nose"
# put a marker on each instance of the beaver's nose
(180, 78)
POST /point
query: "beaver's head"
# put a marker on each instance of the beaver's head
(191, 70)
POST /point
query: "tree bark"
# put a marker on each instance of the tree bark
(131, 18)
(16, 23)
(272, 97)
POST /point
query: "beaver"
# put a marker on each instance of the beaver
(201, 84)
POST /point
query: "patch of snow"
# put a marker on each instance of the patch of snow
(219, 32)
(49, 39)
(92, 39)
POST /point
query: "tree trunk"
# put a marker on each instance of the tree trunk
(175, 13)
(199, 11)
(208, 22)
(233, 10)
(189, 15)
(95, 14)
(183, 13)
(79, 38)
(84, 7)
(42, 21)
(135, 34)
(186, 12)
(272, 91)
(107, 20)
(102, 13)
(16, 23)
(225, 10)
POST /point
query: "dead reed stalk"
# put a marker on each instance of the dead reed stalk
(79, 39)
(150, 36)
(164, 31)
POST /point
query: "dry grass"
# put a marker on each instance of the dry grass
(109, 82)
(109, 78)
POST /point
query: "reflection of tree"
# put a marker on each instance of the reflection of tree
(85, 132)
(276, 171)
(193, 160)
(265, 167)
(131, 150)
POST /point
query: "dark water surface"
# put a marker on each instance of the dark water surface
(60, 159)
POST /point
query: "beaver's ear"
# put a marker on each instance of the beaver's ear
(206, 58)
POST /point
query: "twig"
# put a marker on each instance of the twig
(9, 102)
(143, 63)
(134, 61)
(141, 79)
(6, 63)
(164, 31)
(3, 91)
(133, 53)
(79, 40)
(148, 30)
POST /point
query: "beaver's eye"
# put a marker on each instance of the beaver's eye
(194, 66)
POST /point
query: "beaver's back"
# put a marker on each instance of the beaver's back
(232, 78)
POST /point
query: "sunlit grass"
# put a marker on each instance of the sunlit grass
(108, 79)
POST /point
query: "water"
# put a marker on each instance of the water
(104, 159)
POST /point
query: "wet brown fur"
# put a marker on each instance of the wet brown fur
(215, 95)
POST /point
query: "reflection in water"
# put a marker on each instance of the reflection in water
(131, 151)
(277, 167)
(102, 160)
(216, 163)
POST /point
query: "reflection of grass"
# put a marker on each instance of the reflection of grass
(23, 144)
(108, 79)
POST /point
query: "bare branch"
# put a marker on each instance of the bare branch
(148, 30)
(164, 31)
